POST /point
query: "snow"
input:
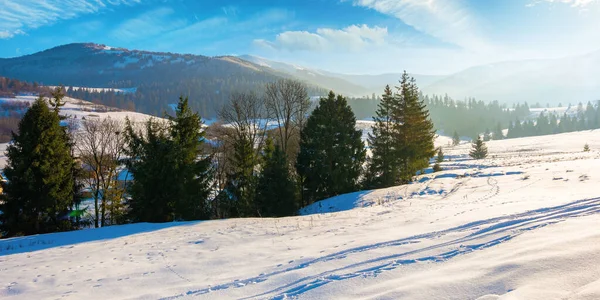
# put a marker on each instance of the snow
(130, 90)
(77, 110)
(521, 224)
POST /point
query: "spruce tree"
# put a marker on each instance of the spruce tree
(479, 150)
(193, 171)
(56, 100)
(240, 192)
(413, 130)
(39, 188)
(331, 151)
(439, 159)
(276, 190)
(383, 169)
(151, 163)
(455, 139)
(171, 177)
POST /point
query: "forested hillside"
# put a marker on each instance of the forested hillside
(158, 79)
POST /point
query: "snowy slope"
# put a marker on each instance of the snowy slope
(76, 109)
(522, 224)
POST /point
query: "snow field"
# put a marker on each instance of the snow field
(521, 224)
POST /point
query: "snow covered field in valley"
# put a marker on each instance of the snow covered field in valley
(522, 224)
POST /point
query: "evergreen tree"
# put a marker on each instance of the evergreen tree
(455, 139)
(413, 130)
(56, 100)
(276, 190)
(498, 134)
(586, 148)
(171, 175)
(479, 150)
(151, 163)
(241, 185)
(439, 159)
(193, 171)
(39, 188)
(331, 151)
(383, 169)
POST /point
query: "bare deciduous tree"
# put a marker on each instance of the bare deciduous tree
(100, 148)
(287, 103)
(247, 116)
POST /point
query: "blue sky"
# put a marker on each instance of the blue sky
(351, 36)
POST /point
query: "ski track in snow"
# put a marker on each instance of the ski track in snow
(477, 235)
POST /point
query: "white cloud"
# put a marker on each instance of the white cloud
(573, 3)
(352, 38)
(447, 20)
(17, 16)
(5, 34)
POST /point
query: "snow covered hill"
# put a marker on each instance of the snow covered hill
(521, 224)
(77, 110)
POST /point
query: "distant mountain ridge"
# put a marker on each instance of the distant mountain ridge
(160, 78)
(554, 81)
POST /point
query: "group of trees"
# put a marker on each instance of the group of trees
(471, 117)
(270, 156)
(11, 87)
(550, 123)
(402, 138)
(156, 97)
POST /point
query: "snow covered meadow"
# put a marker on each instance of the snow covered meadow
(521, 224)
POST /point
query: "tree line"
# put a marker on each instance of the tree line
(209, 93)
(551, 123)
(271, 154)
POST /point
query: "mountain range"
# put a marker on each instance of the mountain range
(161, 77)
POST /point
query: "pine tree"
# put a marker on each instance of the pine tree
(455, 139)
(479, 150)
(240, 192)
(193, 171)
(413, 130)
(439, 159)
(586, 148)
(383, 169)
(150, 163)
(276, 190)
(331, 151)
(39, 188)
(56, 100)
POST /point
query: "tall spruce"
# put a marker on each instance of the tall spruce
(331, 151)
(383, 170)
(171, 176)
(479, 149)
(151, 163)
(413, 129)
(193, 168)
(238, 197)
(276, 190)
(39, 188)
